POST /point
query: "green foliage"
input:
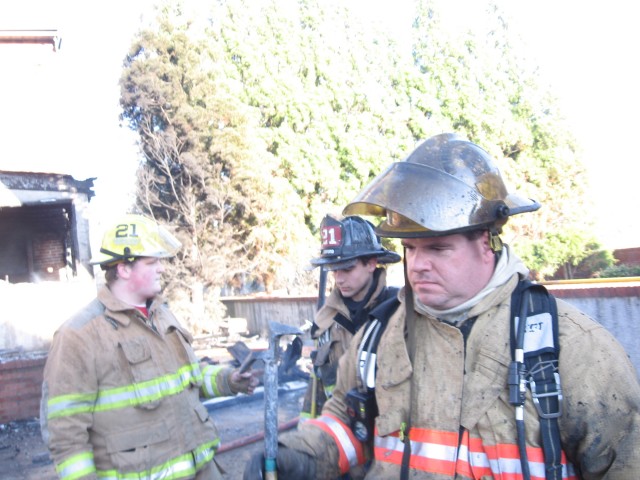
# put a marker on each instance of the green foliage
(258, 117)
(620, 271)
(585, 263)
(594, 263)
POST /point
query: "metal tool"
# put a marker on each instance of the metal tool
(276, 331)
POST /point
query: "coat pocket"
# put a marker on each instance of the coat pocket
(135, 449)
(144, 372)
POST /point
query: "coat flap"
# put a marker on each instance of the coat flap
(390, 422)
(483, 385)
(136, 350)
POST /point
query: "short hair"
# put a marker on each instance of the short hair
(111, 271)
(111, 274)
(474, 234)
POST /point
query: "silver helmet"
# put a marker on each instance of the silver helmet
(446, 185)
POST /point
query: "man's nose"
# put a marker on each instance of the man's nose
(339, 276)
(421, 261)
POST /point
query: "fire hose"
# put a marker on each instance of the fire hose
(244, 441)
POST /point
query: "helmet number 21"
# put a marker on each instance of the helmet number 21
(331, 236)
(122, 230)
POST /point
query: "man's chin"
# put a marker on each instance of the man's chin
(429, 298)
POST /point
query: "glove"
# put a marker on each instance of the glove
(292, 465)
(244, 382)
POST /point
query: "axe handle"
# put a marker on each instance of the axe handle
(322, 293)
(271, 413)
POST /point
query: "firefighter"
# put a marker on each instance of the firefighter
(352, 251)
(122, 383)
(442, 373)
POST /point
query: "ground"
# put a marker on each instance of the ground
(23, 455)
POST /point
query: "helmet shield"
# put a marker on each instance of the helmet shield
(446, 185)
(135, 236)
(343, 242)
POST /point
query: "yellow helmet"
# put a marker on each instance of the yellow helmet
(135, 236)
(444, 186)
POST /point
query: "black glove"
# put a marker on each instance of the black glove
(292, 465)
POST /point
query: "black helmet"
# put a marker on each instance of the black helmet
(446, 185)
(345, 241)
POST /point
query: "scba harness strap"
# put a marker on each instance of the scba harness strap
(362, 408)
(535, 350)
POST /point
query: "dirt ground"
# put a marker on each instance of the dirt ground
(23, 455)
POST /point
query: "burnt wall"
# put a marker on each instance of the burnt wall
(36, 243)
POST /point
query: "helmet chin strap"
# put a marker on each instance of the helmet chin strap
(495, 242)
(125, 256)
(411, 349)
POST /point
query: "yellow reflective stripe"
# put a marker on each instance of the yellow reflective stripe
(204, 454)
(70, 404)
(148, 391)
(76, 466)
(182, 466)
(127, 396)
(209, 384)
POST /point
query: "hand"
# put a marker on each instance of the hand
(292, 465)
(244, 382)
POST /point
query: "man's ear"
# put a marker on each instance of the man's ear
(372, 264)
(123, 270)
(485, 243)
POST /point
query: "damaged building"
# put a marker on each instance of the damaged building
(45, 232)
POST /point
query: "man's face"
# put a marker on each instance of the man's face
(354, 282)
(144, 277)
(447, 271)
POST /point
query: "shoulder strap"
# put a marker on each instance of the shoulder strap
(388, 293)
(387, 304)
(541, 351)
(347, 324)
(372, 331)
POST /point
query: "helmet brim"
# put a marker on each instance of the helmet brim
(336, 263)
(419, 200)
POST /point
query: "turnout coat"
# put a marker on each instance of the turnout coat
(121, 396)
(462, 424)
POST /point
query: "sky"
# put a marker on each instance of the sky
(61, 113)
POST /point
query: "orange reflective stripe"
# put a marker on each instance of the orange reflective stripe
(472, 461)
(431, 450)
(350, 450)
(438, 452)
(423, 435)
